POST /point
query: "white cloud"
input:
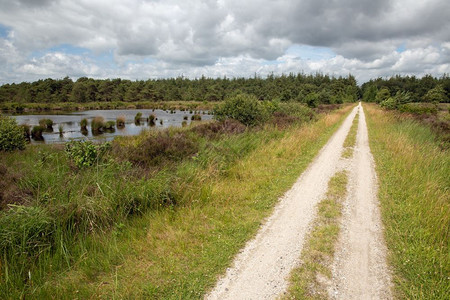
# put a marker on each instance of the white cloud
(225, 37)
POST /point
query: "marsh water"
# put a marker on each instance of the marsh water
(72, 130)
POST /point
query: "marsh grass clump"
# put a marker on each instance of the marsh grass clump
(11, 135)
(151, 120)
(110, 125)
(46, 123)
(26, 131)
(183, 124)
(137, 118)
(98, 124)
(120, 122)
(84, 124)
(185, 118)
(36, 133)
(196, 117)
(61, 129)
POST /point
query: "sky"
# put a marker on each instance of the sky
(142, 39)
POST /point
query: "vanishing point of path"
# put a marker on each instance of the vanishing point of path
(261, 269)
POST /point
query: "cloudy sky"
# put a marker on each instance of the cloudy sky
(140, 39)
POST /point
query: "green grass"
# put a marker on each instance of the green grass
(350, 140)
(119, 231)
(318, 252)
(414, 184)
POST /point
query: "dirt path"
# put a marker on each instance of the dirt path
(260, 270)
(360, 270)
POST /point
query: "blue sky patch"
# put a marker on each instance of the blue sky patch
(4, 30)
(310, 52)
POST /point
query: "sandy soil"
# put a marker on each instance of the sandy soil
(360, 270)
(261, 269)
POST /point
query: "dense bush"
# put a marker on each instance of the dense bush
(419, 108)
(11, 135)
(85, 153)
(46, 123)
(83, 124)
(98, 124)
(244, 108)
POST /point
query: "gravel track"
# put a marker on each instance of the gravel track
(261, 268)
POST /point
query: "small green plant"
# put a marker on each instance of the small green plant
(196, 117)
(98, 124)
(183, 124)
(83, 124)
(11, 135)
(137, 118)
(61, 129)
(120, 122)
(185, 118)
(36, 133)
(85, 153)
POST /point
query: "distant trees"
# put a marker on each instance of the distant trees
(408, 89)
(309, 89)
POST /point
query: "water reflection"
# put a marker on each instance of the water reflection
(72, 130)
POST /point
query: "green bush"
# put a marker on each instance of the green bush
(83, 124)
(389, 103)
(137, 118)
(85, 153)
(110, 125)
(46, 123)
(11, 135)
(244, 108)
(98, 124)
(419, 108)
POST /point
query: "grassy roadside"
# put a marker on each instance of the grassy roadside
(414, 181)
(318, 252)
(179, 252)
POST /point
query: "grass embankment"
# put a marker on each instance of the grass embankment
(413, 172)
(189, 219)
(73, 106)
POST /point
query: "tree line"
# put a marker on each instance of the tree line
(310, 89)
(407, 89)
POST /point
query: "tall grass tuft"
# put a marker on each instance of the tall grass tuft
(84, 124)
(196, 117)
(120, 122)
(151, 120)
(98, 124)
(61, 129)
(137, 118)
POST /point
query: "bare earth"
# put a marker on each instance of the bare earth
(360, 270)
(261, 269)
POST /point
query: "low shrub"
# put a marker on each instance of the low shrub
(419, 108)
(213, 130)
(158, 148)
(85, 153)
(11, 135)
(244, 108)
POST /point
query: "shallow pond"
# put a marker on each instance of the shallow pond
(72, 130)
